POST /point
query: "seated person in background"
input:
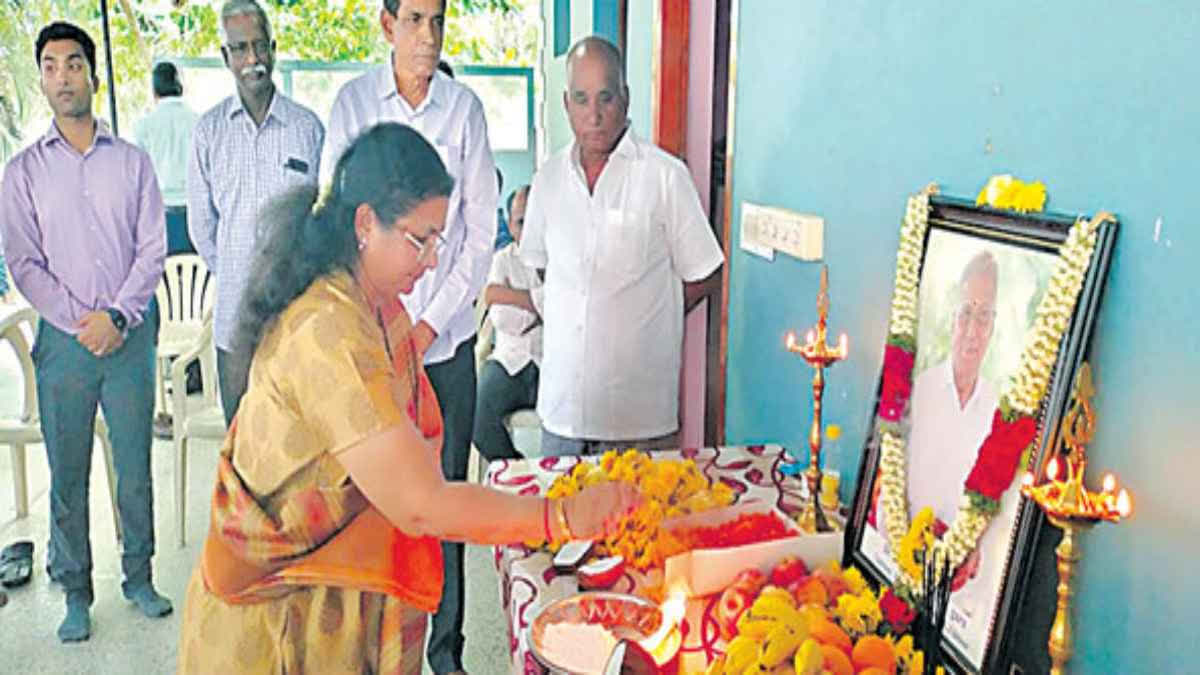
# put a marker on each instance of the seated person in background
(509, 379)
(323, 555)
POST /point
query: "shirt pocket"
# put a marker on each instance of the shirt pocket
(623, 244)
(452, 158)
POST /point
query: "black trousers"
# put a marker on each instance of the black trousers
(233, 375)
(501, 394)
(454, 383)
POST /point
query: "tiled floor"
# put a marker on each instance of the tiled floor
(122, 640)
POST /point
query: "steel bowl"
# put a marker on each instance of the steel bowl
(627, 617)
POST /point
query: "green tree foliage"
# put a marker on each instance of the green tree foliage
(497, 32)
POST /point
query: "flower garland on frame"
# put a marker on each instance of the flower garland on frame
(1014, 423)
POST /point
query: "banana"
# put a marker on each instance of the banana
(777, 592)
(778, 646)
(773, 607)
(717, 667)
(809, 659)
(742, 651)
(753, 627)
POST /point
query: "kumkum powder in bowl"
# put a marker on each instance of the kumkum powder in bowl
(577, 634)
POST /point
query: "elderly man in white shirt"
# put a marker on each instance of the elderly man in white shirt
(617, 225)
(508, 380)
(411, 90)
(166, 135)
(250, 148)
(952, 410)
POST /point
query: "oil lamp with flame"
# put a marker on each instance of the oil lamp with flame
(820, 356)
(1071, 507)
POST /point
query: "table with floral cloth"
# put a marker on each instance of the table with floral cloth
(528, 582)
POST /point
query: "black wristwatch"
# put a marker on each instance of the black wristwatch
(118, 319)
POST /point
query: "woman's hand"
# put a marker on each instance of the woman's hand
(597, 510)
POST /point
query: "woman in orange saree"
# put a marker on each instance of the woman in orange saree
(322, 554)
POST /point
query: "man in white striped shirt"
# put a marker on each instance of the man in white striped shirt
(247, 150)
(411, 90)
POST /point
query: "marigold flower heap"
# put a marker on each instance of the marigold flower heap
(670, 488)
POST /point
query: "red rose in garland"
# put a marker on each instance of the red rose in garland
(897, 382)
(896, 611)
(999, 455)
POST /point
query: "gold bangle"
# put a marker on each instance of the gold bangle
(560, 511)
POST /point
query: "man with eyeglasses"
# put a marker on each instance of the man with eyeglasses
(247, 150)
(410, 89)
(952, 407)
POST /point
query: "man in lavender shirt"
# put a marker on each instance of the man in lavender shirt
(84, 235)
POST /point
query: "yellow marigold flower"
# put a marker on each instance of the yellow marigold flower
(833, 432)
(854, 579)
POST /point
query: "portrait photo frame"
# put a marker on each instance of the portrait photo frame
(981, 278)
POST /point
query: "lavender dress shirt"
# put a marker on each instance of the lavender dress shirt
(83, 232)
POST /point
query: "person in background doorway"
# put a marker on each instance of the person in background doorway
(509, 379)
(83, 231)
(247, 150)
(166, 134)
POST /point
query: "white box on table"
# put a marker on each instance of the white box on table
(706, 571)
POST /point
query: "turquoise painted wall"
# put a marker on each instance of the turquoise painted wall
(639, 63)
(843, 109)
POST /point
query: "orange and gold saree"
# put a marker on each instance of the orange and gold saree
(299, 573)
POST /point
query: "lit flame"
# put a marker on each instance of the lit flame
(673, 610)
(1124, 504)
(809, 338)
(1052, 469)
(791, 341)
(1110, 482)
(1027, 479)
(843, 344)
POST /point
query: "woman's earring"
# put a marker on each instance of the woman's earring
(362, 243)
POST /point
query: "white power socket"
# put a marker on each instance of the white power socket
(770, 228)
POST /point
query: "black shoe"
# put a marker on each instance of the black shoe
(164, 426)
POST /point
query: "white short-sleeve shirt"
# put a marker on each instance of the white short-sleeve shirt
(615, 263)
(518, 334)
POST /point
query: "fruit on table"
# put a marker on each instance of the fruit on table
(836, 661)
(872, 651)
(829, 633)
(788, 570)
(779, 645)
(809, 659)
(740, 654)
(810, 591)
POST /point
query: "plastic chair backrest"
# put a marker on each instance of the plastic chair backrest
(20, 330)
(185, 291)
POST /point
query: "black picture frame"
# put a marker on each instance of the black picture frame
(1041, 232)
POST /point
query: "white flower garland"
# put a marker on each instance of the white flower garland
(1027, 386)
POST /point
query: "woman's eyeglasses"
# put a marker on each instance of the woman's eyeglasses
(426, 246)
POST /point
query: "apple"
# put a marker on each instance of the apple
(788, 570)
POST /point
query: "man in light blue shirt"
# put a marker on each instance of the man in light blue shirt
(247, 150)
(166, 134)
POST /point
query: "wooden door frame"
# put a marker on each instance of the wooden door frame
(669, 102)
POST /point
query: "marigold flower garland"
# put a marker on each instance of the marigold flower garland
(1014, 424)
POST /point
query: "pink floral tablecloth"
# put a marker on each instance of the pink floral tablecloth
(528, 582)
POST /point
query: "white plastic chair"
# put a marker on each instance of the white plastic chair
(184, 294)
(201, 419)
(19, 329)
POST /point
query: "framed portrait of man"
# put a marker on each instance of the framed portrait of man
(982, 277)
